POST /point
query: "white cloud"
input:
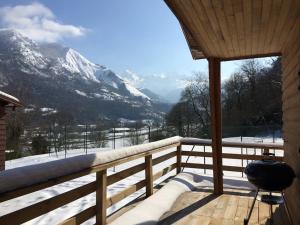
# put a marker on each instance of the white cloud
(37, 22)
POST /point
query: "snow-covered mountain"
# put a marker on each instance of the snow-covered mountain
(33, 69)
(133, 78)
(53, 59)
(161, 87)
(154, 97)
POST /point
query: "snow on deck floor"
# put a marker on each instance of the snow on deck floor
(73, 208)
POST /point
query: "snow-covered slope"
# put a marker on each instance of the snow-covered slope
(132, 78)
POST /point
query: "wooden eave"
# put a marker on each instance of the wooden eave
(11, 102)
(236, 29)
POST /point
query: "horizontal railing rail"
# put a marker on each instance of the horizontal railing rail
(244, 156)
(25, 180)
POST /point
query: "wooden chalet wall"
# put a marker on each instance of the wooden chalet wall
(291, 115)
(2, 138)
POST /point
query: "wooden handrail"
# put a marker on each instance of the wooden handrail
(103, 180)
(4, 196)
(207, 142)
(229, 155)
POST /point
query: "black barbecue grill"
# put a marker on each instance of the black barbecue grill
(269, 176)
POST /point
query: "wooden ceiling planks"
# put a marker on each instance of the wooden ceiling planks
(222, 20)
(266, 13)
(195, 27)
(247, 9)
(239, 20)
(274, 19)
(230, 29)
(228, 9)
(203, 19)
(284, 16)
(193, 46)
(256, 25)
(213, 21)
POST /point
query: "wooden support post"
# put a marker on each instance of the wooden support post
(216, 122)
(149, 175)
(178, 163)
(101, 186)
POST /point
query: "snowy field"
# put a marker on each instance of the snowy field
(73, 208)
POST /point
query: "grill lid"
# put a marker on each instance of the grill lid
(270, 175)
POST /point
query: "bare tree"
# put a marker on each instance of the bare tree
(196, 94)
(191, 115)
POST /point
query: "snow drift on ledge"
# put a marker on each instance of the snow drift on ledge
(25, 176)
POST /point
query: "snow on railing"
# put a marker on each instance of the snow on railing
(28, 175)
(24, 180)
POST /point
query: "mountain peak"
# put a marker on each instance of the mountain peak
(14, 36)
(50, 75)
(57, 61)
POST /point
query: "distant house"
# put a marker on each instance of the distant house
(6, 100)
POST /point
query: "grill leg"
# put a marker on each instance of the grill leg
(271, 210)
(287, 209)
(246, 220)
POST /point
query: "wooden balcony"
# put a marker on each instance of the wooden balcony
(158, 161)
(201, 206)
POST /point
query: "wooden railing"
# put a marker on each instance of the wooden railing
(103, 180)
(257, 148)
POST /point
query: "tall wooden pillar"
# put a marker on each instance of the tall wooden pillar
(216, 122)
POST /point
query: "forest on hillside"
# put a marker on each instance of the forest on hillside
(251, 102)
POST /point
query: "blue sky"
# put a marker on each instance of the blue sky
(140, 35)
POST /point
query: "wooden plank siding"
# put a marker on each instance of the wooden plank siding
(291, 113)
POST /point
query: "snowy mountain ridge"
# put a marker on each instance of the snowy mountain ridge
(49, 75)
(61, 60)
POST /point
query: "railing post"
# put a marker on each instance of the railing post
(178, 163)
(266, 150)
(204, 159)
(149, 175)
(149, 134)
(101, 191)
(65, 140)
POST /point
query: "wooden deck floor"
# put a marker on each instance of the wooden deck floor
(202, 207)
